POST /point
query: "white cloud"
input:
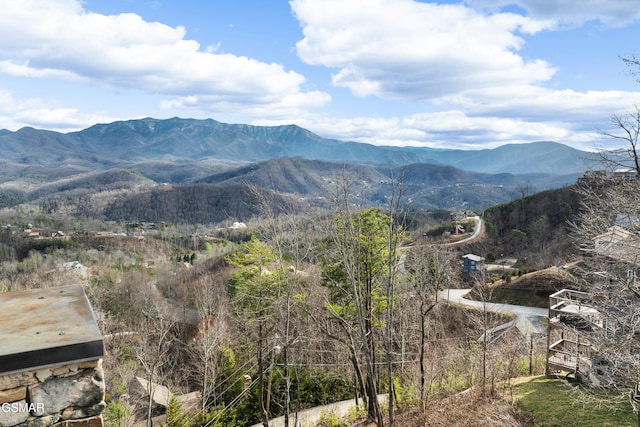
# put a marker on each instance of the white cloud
(613, 13)
(533, 103)
(461, 61)
(35, 112)
(465, 62)
(40, 38)
(284, 108)
(406, 49)
(451, 129)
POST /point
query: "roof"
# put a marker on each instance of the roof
(626, 220)
(160, 394)
(618, 243)
(48, 326)
(473, 257)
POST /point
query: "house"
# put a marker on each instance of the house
(619, 244)
(584, 327)
(140, 388)
(574, 323)
(471, 262)
(461, 215)
(626, 174)
(572, 318)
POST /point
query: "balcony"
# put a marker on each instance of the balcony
(574, 309)
(570, 355)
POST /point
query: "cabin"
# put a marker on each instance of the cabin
(471, 262)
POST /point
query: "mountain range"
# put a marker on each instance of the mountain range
(147, 139)
(138, 154)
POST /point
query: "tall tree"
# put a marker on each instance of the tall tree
(355, 271)
(287, 235)
(429, 270)
(153, 349)
(212, 334)
(608, 228)
(258, 286)
(395, 237)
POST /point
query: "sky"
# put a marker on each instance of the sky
(443, 74)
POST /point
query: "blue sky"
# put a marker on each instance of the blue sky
(469, 74)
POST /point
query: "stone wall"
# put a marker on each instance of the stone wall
(67, 395)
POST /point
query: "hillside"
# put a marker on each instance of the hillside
(194, 204)
(538, 157)
(534, 228)
(307, 182)
(142, 231)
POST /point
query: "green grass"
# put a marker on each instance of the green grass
(554, 402)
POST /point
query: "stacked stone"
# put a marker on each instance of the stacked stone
(68, 395)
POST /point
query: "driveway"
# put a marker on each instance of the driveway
(311, 417)
(457, 296)
(527, 318)
(473, 236)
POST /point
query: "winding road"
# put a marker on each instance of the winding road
(457, 296)
(528, 319)
(473, 236)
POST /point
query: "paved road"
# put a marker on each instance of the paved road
(311, 417)
(527, 318)
(476, 233)
(457, 296)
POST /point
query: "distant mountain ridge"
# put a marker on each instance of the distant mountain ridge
(188, 170)
(122, 143)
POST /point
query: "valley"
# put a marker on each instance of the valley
(252, 272)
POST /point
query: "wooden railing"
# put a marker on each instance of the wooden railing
(574, 308)
(570, 355)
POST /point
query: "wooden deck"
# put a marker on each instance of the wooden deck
(569, 355)
(571, 315)
(574, 308)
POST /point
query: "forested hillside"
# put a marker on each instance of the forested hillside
(536, 228)
(196, 204)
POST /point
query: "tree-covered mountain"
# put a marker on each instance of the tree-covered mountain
(126, 142)
(111, 170)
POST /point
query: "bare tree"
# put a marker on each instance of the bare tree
(486, 316)
(153, 349)
(205, 346)
(286, 233)
(608, 231)
(395, 238)
(626, 130)
(360, 264)
(429, 268)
